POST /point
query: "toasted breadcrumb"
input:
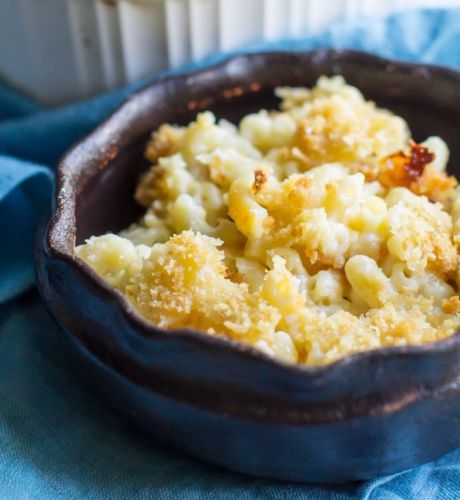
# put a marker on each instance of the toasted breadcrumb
(412, 170)
(451, 305)
(260, 178)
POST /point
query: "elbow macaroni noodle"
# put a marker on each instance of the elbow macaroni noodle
(311, 232)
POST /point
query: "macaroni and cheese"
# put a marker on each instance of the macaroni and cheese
(311, 232)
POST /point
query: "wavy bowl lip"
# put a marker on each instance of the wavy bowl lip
(61, 232)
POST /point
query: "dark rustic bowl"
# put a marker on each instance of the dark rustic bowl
(366, 415)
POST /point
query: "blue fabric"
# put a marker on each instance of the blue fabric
(56, 438)
(24, 191)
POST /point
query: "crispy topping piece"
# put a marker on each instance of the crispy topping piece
(410, 170)
(162, 143)
(403, 169)
(451, 305)
(260, 178)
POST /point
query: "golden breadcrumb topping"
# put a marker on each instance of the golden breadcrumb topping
(311, 233)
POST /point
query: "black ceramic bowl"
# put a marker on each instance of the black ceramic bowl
(366, 415)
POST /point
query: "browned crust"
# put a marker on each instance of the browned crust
(260, 178)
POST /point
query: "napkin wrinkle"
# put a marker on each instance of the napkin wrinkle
(15, 104)
(24, 192)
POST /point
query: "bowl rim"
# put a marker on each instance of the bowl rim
(62, 221)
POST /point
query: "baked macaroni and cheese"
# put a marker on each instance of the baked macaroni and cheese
(311, 232)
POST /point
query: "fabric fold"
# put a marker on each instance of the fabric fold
(25, 189)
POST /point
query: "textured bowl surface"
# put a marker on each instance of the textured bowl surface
(366, 415)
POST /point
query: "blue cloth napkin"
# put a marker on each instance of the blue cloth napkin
(56, 438)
